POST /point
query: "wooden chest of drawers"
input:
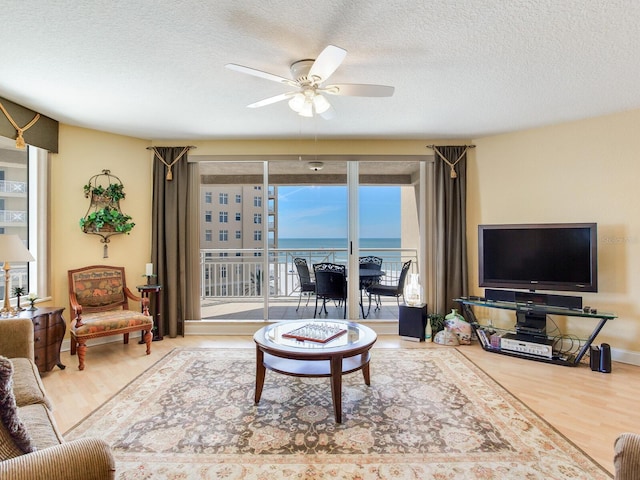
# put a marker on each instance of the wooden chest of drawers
(48, 332)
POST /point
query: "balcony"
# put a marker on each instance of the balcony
(13, 218)
(231, 286)
(13, 188)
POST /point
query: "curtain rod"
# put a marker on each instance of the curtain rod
(434, 146)
(160, 146)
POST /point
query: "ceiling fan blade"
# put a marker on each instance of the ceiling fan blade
(270, 100)
(327, 62)
(260, 74)
(359, 90)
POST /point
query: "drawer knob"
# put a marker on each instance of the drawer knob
(37, 324)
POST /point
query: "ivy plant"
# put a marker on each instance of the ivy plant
(96, 221)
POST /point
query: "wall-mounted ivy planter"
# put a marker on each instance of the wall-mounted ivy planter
(104, 217)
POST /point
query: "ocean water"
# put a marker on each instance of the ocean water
(368, 246)
(319, 243)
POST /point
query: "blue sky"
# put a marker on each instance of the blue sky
(314, 211)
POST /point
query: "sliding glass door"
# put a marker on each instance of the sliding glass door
(259, 218)
(310, 227)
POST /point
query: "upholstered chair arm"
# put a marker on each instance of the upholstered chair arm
(16, 338)
(130, 295)
(83, 459)
(143, 301)
(626, 459)
(75, 305)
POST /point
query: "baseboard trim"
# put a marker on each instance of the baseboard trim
(249, 327)
(623, 356)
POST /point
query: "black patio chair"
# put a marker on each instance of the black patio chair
(369, 262)
(331, 284)
(374, 263)
(380, 290)
(306, 284)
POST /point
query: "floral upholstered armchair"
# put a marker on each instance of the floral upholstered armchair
(99, 300)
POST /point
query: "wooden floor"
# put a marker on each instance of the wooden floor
(589, 408)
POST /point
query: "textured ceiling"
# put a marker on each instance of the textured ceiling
(154, 69)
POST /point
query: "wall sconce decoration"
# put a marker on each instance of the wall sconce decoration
(104, 217)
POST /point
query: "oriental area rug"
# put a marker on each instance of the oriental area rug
(428, 414)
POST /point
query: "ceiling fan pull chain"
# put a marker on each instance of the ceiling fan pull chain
(19, 139)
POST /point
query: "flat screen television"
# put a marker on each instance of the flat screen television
(554, 256)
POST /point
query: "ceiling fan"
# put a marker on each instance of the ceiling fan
(308, 80)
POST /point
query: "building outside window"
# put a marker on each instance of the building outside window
(208, 236)
(23, 204)
(208, 197)
(223, 235)
(223, 217)
(257, 235)
(257, 201)
(238, 234)
(208, 216)
(238, 198)
(257, 218)
(224, 198)
(238, 217)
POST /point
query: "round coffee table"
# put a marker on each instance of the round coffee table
(310, 354)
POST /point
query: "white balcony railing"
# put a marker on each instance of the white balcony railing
(13, 216)
(10, 186)
(238, 273)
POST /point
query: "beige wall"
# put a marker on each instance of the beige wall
(575, 172)
(580, 171)
(84, 153)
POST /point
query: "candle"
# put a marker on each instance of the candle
(149, 269)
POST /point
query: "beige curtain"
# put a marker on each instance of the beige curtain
(450, 226)
(175, 246)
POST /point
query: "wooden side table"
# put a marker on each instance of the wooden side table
(48, 332)
(145, 292)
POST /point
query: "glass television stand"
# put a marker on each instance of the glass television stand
(530, 340)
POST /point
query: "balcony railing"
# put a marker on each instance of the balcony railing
(238, 274)
(13, 216)
(11, 186)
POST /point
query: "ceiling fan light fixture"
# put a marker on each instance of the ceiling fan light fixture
(320, 104)
(315, 166)
(306, 110)
(297, 102)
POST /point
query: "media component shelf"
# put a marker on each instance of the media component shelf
(534, 345)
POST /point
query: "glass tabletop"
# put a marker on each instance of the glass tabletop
(316, 334)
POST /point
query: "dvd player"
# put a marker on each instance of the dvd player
(514, 343)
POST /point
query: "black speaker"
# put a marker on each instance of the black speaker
(412, 322)
(605, 358)
(594, 358)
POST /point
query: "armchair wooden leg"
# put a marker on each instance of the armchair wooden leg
(148, 337)
(82, 351)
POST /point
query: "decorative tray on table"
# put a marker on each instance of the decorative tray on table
(313, 332)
